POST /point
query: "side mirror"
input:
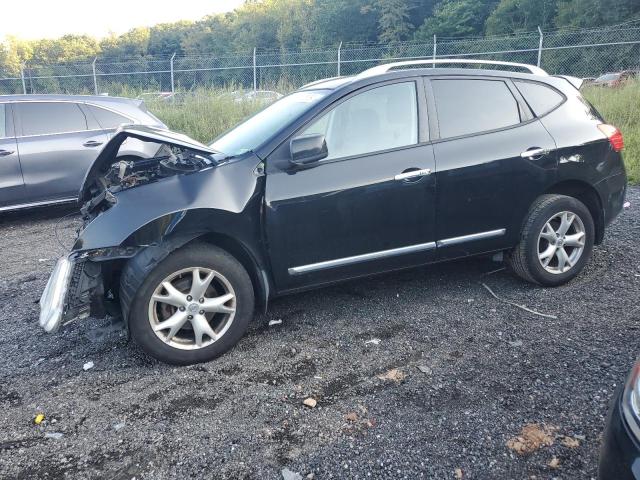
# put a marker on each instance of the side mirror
(308, 149)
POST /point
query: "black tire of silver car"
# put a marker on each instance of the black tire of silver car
(556, 241)
(194, 306)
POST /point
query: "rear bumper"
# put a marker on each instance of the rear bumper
(612, 191)
(619, 452)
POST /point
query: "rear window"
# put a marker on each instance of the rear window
(541, 99)
(51, 117)
(107, 118)
(473, 106)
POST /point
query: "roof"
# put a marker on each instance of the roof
(424, 68)
(104, 99)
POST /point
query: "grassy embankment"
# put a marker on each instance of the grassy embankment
(204, 114)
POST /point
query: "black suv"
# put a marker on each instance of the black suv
(401, 165)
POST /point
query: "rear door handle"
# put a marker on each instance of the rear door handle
(413, 174)
(92, 143)
(534, 152)
(4, 153)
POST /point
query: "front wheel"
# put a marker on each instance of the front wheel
(556, 241)
(194, 306)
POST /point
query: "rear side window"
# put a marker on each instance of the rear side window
(3, 124)
(473, 106)
(378, 119)
(541, 99)
(107, 118)
(51, 117)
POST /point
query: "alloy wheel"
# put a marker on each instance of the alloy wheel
(192, 308)
(561, 242)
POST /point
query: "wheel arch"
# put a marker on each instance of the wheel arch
(588, 195)
(138, 267)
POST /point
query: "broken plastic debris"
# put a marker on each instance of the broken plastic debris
(54, 435)
(275, 322)
(87, 366)
(39, 419)
(375, 341)
(289, 475)
(310, 402)
(118, 426)
(626, 205)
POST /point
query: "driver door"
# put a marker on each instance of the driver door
(369, 205)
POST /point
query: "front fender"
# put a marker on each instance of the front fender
(228, 190)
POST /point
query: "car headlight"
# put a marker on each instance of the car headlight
(631, 400)
(53, 298)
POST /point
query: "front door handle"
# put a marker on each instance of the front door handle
(534, 152)
(4, 153)
(92, 143)
(408, 174)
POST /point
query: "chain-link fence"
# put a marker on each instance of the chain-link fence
(582, 53)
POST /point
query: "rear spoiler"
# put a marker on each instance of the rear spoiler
(575, 81)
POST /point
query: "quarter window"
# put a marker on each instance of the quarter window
(107, 118)
(51, 117)
(472, 106)
(378, 119)
(541, 99)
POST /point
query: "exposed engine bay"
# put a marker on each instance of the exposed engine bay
(112, 174)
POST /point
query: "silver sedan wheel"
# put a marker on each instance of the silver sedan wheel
(561, 242)
(192, 308)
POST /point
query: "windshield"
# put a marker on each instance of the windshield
(608, 76)
(254, 132)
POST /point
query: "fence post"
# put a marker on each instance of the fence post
(540, 46)
(24, 85)
(255, 71)
(339, 57)
(173, 87)
(95, 79)
(435, 49)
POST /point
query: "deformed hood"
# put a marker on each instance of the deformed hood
(145, 133)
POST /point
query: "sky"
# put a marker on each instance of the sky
(35, 19)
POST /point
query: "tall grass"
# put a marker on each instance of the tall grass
(621, 107)
(203, 114)
(206, 113)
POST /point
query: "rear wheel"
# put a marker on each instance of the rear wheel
(194, 306)
(556, 241)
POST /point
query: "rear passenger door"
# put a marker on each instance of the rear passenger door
(493, 158)
(11, 184)
(57, 144)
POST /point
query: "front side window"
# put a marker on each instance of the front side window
(379, 119)
(473, 106)
(107, 118)
(51, 117)
(3, 124)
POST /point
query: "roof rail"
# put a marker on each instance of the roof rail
(389, 66)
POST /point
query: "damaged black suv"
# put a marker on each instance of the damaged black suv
(399, 166)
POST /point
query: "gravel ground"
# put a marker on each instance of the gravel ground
(476, 371)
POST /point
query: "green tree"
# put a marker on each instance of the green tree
(513, 16)
(593, 13)
(393, 19)
(456, 18)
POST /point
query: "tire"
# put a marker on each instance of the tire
(227, 319)
(542, 225)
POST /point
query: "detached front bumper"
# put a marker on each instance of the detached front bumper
(69, 292)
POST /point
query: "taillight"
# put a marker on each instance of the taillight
(614, 135)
